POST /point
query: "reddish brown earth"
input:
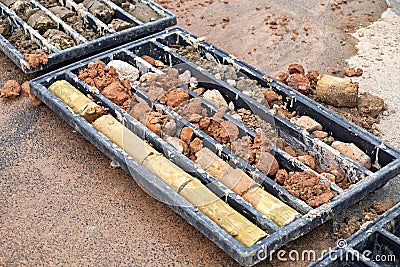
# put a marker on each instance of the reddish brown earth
(11, 89)
(306, 186)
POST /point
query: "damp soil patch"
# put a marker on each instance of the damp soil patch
(72, 18)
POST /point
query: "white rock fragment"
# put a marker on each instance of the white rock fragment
(193, 82)
(125, 70)
(215, 98)
(308, 124)
(231, 82)
(185, 77)
(351, 151)
(175, 142)
(231, 106)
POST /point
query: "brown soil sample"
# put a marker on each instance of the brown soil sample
(11, 89)
(33, 60)
(26, 90)
(59, 39)
(242, 147)
(73, 19)
(353, 223)
(101, 11)
(49, 3)
(312, 76)
(254, 122)
(191, 108)
(357, 117)
(41, 22)
(370, 105)
(107, 81)
(141, 11)
(22, 8)
(5, 27)
(153, 120)
(119, 25)
(341, 179)
(306, 186)
(23, 43)
(273, 98)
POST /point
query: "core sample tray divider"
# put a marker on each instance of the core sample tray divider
(386, 159)
(83, 47)
(376, 245)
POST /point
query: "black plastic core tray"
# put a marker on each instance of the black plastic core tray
(83, 47)
(386, 159)
(376, 245)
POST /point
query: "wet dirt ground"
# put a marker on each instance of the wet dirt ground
(62, 204)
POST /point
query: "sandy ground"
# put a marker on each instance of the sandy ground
(378, 55)
(62, 204)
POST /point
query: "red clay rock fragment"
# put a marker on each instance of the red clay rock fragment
(300, 83)
(139, 110)
(196, 145)
(149, 60)
(154, 122)
(26, 90)
(290, 151)
(215, 98)
(33, 60)
(351, 151)
(335, 70)
(175, 97)
(308, 161)
(296, 68)
(117, 93)
(223, 131)
(187, 135)
(266, 163)
(282, 77)
(312, 76)
(273, 98)
(281, 176)
(320, 134)
(11, 89)
(308, 124)
(107, 81)
(260, 156)
(350, 72)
